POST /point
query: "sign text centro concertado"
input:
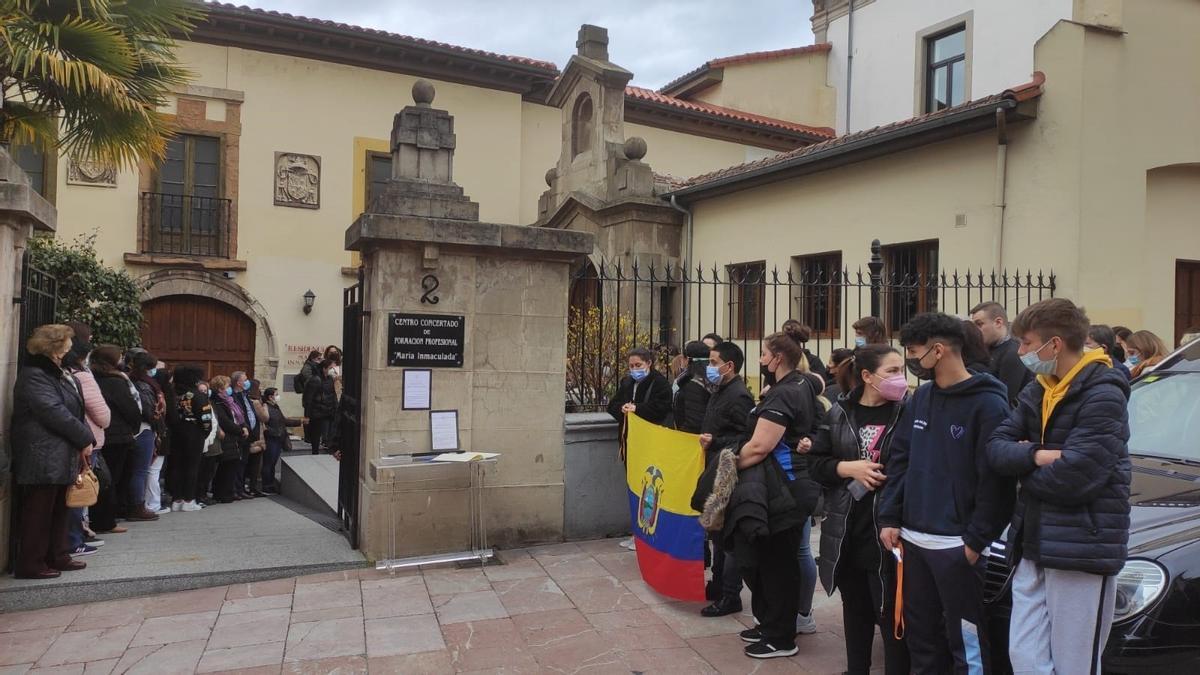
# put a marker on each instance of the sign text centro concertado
(425, 340)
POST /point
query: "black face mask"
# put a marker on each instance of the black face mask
(768, 378)
(919, 371)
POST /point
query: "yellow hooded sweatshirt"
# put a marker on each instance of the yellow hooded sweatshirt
(1056, 389)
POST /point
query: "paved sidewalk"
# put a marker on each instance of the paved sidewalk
(563, 608)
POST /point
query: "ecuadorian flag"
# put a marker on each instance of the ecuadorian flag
(662, 468)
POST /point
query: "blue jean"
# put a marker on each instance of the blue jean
(272, 453)
(143, 456)
(808, 569)
(74, 529)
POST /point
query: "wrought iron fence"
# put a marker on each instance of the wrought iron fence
(615, 307)
(186, 224)
(38, 300)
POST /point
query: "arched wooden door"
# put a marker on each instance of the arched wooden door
(195, 329)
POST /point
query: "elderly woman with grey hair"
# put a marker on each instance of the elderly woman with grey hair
(51, 443)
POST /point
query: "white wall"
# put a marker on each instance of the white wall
(885, 51)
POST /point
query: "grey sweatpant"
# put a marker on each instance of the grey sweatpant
(1060, 620)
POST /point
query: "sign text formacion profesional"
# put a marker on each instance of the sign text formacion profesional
(426, 340)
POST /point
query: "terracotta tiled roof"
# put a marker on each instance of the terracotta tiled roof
(751, 57)
(651, 96)
(1020, 93)
(226, 8)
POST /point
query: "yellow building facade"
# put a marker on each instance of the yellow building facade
(283, 133)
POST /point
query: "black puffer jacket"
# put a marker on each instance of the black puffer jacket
(320, 399)
(1072, 514)
(690, 403)
(126, 413)
(48, 429)
(837, 441)
(726, 415)
(760, 506)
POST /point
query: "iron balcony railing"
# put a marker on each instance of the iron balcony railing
(186, 224)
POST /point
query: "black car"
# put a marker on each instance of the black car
(1157, 623)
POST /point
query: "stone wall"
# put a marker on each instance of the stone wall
(595, 488)
(21, 212)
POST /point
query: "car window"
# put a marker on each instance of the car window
(1164, 416)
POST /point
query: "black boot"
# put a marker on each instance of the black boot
(724, 606)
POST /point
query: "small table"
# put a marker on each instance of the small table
(479, 549)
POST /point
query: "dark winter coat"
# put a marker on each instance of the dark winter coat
(726, 415)
(691, 400)
(837, 441)
(320, 400)
(126, 413)
(194, 421)
(652, 396)
(761, 505)
(1007, 368)
(249, 412)
(939, 480)
(1072, 514)
(278, 423)
(48, 427)
(231, 444)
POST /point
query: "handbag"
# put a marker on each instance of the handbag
(84, 491)
(212, 444)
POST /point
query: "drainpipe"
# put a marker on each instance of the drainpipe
(688, 239)
(1000, 198)
(849, 60)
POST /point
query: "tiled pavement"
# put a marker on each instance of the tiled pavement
(558, 609)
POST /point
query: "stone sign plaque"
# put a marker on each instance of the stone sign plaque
(426, 340)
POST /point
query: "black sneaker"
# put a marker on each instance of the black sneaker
(723, 607)
(751, 635)
(765, 650)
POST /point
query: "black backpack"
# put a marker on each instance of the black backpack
(301, 378)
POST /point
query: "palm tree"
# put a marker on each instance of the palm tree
(88, 76)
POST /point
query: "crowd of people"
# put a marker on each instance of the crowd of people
(1019, 426)
(159, 440)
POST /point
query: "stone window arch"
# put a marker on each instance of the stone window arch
(581, 125)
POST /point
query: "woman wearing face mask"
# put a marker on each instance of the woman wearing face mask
(1103, 337)
(645, 392)
(145, 465)
(837, 359)
(769, 457)
(849, 459)
(1144, 351)
(690, 390)
(276, 434)
(869, 330)
(231, 422)
(195, 421)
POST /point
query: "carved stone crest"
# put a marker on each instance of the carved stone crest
(91, 172)
(297, 180)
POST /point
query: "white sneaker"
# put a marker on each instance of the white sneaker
(94, 542)
(162, 511)
(628, 544)
(176, 506)
(190, 506)
(805, 625)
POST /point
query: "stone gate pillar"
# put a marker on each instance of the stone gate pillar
(425, 252)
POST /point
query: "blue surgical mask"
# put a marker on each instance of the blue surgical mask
(638, 374)
(1133, 360)
(860, 341)
(246, 385)
(152, 372)
(713, 374)
(229, 391)
(1036, 365)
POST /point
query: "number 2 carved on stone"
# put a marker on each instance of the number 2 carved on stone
(429, 283)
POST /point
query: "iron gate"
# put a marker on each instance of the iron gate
(350, 408)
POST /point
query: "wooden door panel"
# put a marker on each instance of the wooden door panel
(1187, 297)
(195, 329)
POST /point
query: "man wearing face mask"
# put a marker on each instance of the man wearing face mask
(992, 319)
(1067, 443)
(724, 426)
(941, 504)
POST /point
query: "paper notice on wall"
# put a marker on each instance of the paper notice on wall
(443, 428)
(417, 389)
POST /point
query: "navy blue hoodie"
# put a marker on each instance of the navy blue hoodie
(939, 481)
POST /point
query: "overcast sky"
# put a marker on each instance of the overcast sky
(658, 40)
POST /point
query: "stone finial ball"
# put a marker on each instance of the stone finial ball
(422, 92)
(635, 147)
(551, 174)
